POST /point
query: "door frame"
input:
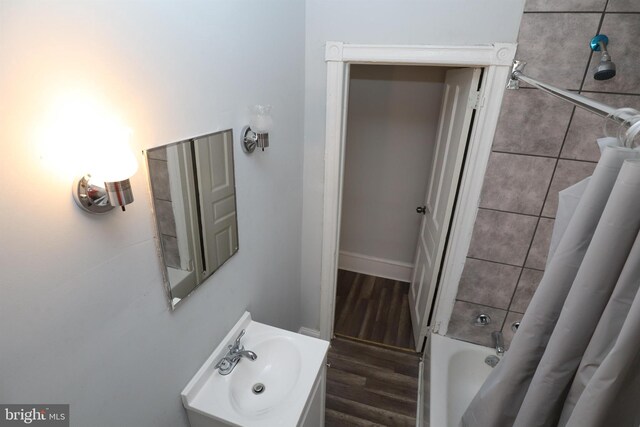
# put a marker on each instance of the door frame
(496, 59)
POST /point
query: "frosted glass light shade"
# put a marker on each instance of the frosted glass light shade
(260, 120)
(113, 161)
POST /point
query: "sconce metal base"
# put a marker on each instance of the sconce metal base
(91, 197)
(99, 198)
(250, 140)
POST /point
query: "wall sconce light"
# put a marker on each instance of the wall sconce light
(257, 133)
(107, 184)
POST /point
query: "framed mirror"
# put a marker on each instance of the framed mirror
(193, 199)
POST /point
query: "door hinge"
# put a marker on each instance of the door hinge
(425, 330)
(436, 328)
(476, 100)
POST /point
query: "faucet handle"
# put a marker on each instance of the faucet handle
(237, 342)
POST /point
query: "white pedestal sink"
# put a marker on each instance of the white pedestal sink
(290, 366)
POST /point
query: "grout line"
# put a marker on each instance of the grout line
(523, 263)
(577, 160)
(504, 263)
(582, 12)
(586, 70)
(495, 262)
(483, 305)
(526, 154)
(557, 156)
(510, 212)
(572, 12)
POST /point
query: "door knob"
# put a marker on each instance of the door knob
(421, 210)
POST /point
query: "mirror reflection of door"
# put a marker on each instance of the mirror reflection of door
(217, 197)
(193, 193)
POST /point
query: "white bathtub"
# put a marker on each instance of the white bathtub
(457, 371)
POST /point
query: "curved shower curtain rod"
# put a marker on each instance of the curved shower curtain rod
(622, 117)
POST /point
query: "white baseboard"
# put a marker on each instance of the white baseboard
(309, 332)
(379, 267)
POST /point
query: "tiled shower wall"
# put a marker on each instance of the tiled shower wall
(542, 145)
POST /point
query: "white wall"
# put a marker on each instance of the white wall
(391, 130)
(434, 22)
(83, 316)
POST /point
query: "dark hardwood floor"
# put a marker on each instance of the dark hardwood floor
(370, 386)
(373, 309)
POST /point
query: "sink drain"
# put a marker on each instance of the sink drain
(258, 388)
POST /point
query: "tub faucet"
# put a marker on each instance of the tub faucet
(498, 342)
(234, 354)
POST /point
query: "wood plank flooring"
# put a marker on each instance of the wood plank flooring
(373, 309)
(370, 386)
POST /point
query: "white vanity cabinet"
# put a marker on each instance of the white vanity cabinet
(313, 414)
(283, 386)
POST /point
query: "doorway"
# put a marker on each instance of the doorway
(406, 133)
(496, 60)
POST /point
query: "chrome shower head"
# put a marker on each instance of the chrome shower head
(605, 69)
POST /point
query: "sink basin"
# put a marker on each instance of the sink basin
(277, 376)
(271, 390)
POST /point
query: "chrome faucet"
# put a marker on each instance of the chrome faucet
(498, 342)
(234, 354)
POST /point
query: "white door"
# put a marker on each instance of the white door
(216, 191)
(458, 102)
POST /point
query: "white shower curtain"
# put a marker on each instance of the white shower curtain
(575, 360)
